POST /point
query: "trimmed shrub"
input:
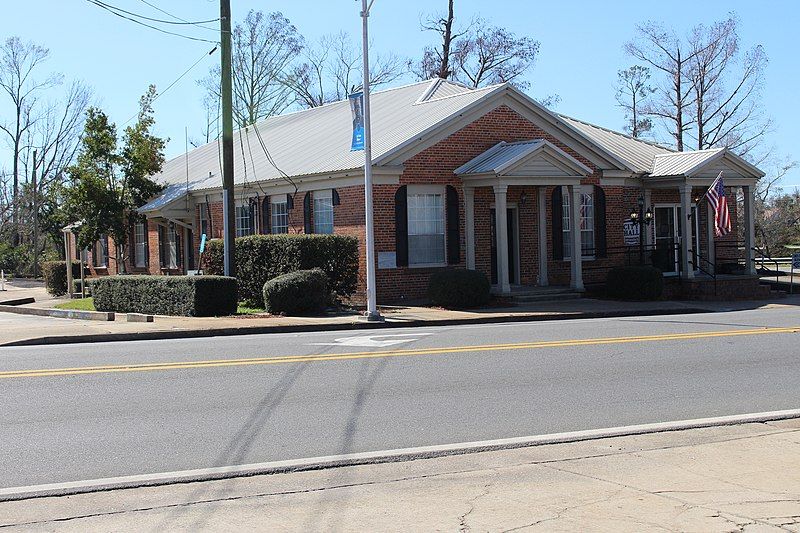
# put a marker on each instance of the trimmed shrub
(459, 288)
(635, 283)
(166, 295)
(260, 258)
(55, 276)
(297, 293)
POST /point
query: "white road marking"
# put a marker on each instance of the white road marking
(374, 341)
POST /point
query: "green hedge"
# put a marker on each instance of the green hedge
(55, 276)
(166, 295)
(260, 258)
(302, 292)
(635, 283)
(459, 288)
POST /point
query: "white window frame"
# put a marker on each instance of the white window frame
(566, 228)
(243, 209)
(275, 217)
(140, 245)
(419, 190)
(170, 245)
(99, 260)
(323, 204)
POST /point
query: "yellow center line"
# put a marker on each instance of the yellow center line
(271, 360)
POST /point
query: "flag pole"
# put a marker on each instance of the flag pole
(372, 313)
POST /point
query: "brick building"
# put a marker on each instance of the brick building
(485, 179)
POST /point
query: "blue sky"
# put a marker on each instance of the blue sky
(581, 48)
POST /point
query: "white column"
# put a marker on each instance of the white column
(469, 225)
(541, 199)
(575, 226)
(749, 228)
(685, 191)
(710, 236)
(648, 228)
(500, 210)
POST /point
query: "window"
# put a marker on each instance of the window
(426, 244)
(100, 252)
(204, 220)
(323, 211)
(587, 223)
(140, 244)
(243, 219)
(168, 243)
(279, 215)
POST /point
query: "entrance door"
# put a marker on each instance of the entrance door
(667, 254)
(513, 245)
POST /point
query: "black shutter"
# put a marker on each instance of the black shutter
(401, 226)
(335, 197)
(161, 240)
(600, 244)
(307, 227)
(558, 236)
(289, 202)
(265, 218)
(453, 231)
(253, 208)
(132, 244)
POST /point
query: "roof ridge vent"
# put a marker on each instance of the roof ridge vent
(425, 96)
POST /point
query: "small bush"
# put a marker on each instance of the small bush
(166, 295)
(635, 283)
(55, 276)
(297, 293)
(260, 258)
(458, 289)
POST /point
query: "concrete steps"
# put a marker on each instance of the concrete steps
(543, 294)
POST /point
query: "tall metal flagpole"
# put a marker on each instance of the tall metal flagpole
(372, 308)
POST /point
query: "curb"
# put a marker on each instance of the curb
(59, 313)
(305, 328)
(386, 456)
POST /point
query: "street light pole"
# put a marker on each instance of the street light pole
(226, 89)
(372, 313)
(643, 219)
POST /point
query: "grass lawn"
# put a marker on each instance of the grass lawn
(245, 310)
(81, 304)
(87, 304)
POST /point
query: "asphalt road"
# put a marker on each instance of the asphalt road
(81, 412)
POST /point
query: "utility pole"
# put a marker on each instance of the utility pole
(372, 308)
(228, 205)
(36, 218)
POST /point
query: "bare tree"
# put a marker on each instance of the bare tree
(264, 46)
(489, 55)
(665, 52)
(436, 60)
(18, 61)
(777, 215)
(726, 90)
(332, 69)
(632, 94)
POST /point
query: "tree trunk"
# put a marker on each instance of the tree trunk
(444, 68)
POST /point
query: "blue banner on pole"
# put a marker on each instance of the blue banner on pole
(357, 110)
(202, 243)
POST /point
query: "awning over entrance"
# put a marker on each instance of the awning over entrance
(534, 162)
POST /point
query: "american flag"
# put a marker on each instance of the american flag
(719, 203)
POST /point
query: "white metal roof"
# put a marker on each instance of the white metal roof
(638, 154)
(683, 163)
(504, 156)
(317, 141)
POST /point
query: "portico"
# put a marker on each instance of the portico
(536, 164)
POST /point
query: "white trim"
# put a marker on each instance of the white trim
(421, 189)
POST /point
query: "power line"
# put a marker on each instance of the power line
(196, 23)
(161, 21)
(101, 5)
(179, 78)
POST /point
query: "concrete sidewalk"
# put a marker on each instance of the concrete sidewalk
(729, 478)
(18, 330)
